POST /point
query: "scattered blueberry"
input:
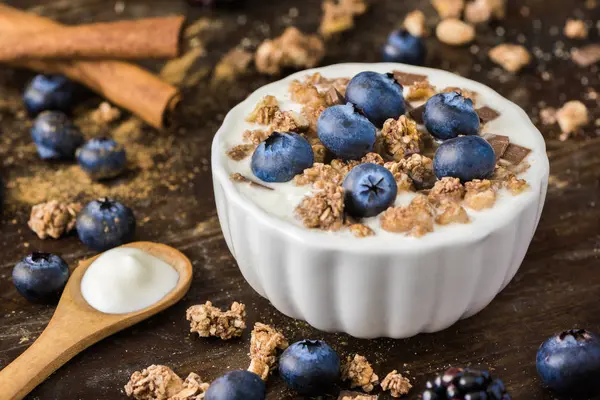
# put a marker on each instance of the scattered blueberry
(405, 48)
(237, 385)
(41, 277)
(281, 157)
(368, 190)
(55, 136)
(104, 223)
(465, 384)
(50, 92)
(570, 362)
(345, 132)
(448, 115)
(310, 367)
(378, 96)
(102, 158)
(465, 157)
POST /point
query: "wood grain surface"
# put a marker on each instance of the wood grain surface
(557, 287)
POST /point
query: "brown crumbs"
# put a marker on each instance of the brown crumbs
(373, 158)
(576, 29)
(414, 23)
(154, 382)
(256, 136)
(447, 188)
(265, 110)
(348, 395)
(338, 15)
(416, 219)
(241, 151)
(53, 218)
(450, 212)
(515, 185)
(358, 371)
(448, 8)
(237, 177)
(420, 170)
(511, 57)
(193, 388)
(207, 320)
(361, 231)
(265, 342)
(233, 64)
(396, 384)
(480, 194)
(320, 175)
(323, 210)
(420, 91)
(289, 121)
(400, 138)
(402, 179)
(455, 32)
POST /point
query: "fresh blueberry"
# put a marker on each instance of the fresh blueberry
(310, 367)
(448, 115)
(368, 190)
(378, 96)
(104, 223)
(102, 158)
(465, 158)
(41, 277)
(55, 136)
(570, 362)
(237, 385)
(345, 132)
(405, 48)
(281, 157)
(50, 92)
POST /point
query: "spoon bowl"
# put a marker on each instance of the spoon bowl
(76, 325)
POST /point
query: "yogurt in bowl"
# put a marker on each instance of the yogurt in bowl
(363, 277)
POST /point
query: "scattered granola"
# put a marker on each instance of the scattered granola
(414, 23)
(256, 136)
(233, 64)
(450, 212)
(420, 170)
(323, 210)
(157, 382)
(400, 138)
(448, 8)
(587, 55)
(402, 179)
(396, 384)
(338, 15)
(289, 121)
(105, 114)
(361, 231)
(53, 219)
(373, 158)
(265, 110)
(193, 388)
(359, 372)
(576, 29)
(455, 32)
(447, 188)
(348, 395)
(208, 321)
(320, 175)
(515, 185)
(292, 49)
(511, 57)
(571, 116)
(420, 91)
(480, 194)
(416, 219)
(264, 344)
(241, 151)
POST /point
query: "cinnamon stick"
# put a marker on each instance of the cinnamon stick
(123, 84)
(143, 38)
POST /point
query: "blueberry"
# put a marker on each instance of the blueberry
(570, 362)
(281, 157)
(378, 96)
(345, 132)
(50, 92)
(465, 158)
(102, 158)
(368, 190)
(55, 136)
(448, 115)
(41, 277)
(104, 223)
(237, 385)
(405, 48)
(310, 367)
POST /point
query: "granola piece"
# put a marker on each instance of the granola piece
(323, 210)
(515, 185)
(414, 23)
(576, 29)
(292, 49)
(53, 219)
(446, 188)
(348, 395)
(233, 64)
(265, 110)
(478, 11)
(157, 382)
(208, 321)
(396, 384)
(373, 158)
(455, 32)
(400, 137)
(361, 231)
(571, 116)
(319, 175)
(480, 194)
(264, 345)
(193, 388)
(338, 15)
(359, 372)
(468, 94)
(501, 173)
(312, 115)
(306, 93)
(241, 151)
(420, 91)
(105, 114)
(450, 212)
(420, 170)
(320, 152)
(586, 55)
(416, 219)
(511, 57)
(256, 136)
(448, 8)
(289, 121)
(402, 179)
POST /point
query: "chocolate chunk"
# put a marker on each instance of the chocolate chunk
(237, 177)
(514, 153)
(417, 113)
(498, 142)
(487, 114)
(407, 79)
(334, 97)
(587, 55)
(348, 395)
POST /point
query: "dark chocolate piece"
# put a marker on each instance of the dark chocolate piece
(348, 395)
(487, 114)
(407, 79)
(498, 142)
(417, 113)
(514, 153)
(587, 55)
(334, 97)
(237, 177)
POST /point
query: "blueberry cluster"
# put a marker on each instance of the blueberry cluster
(465, 384)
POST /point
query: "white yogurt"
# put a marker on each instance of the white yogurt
(127, 279)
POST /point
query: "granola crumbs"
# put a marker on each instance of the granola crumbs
(265, 110)
(420, 91)
(468, 94)
(511, 57)
(348, 395)
(403, 181)
(53, 218)
(193, 388)
(292, 49)
(571, 116)
(289, 121)
(400, 137)
(414, 23)
(256, 136)
(446, 188)
(515, 185)
(448, 8)
(208, 321)
(319, 151)
(323, 210)
(455, 32)
(319, 175)
(338, 15)
(420, 170)
(241, 151)
(396, 384)
(416, 219)
(264, 344)
(373, 158)
(361, 231)
(480, 194)
(233, 64)
(576, 29)
(359, 372)
(451, 212)
(157, 382)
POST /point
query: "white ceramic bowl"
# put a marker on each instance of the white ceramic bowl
(388, 285)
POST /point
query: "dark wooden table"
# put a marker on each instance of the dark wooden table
(557, 287)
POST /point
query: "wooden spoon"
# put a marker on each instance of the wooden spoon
(75, 325)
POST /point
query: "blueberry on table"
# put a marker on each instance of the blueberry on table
(405, 48)
(55, 136)
(310, 367)
(345, 132)
(465, 158)
(104, 223)
(569, 362)
(376, 95)
(368, 190)
(448, 115)
(237, 385)
(281, 157)
(465, 384)
(50, 92)
(102, 158)
(41, 277)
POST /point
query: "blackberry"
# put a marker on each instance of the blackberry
(465, 384)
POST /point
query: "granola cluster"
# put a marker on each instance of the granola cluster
(207, 320)
(396, 384)
(265, 342)
(358, 371)
(400, 138)
(159, 382)
(480, 194)
(416, 219)
(361, 231)
(240, 151)
(420, 91)
(348, 395)
(446, 189)
(265, 110)
(53, 219)
(289, 121)
(324, 209)
(339, 15)
(511, 57)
